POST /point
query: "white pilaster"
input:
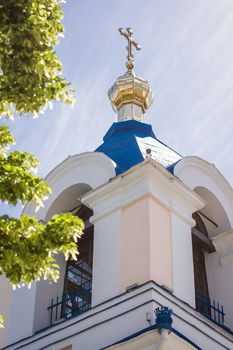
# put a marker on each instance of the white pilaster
(146, 180)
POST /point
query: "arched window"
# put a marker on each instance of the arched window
(201, 244)
(78, 276)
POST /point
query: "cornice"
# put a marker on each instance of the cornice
(207, 168)
(80, 159)
(73, 165)
(146, 178)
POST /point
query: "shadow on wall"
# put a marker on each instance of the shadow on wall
(67, 201)
(215, 217)
(212, 286)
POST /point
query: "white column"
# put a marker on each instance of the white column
(106, 258)
(183, 272)
(22, 313)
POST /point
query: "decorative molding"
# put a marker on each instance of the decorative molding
(146, 298)
(93, 168)
(217, 183)
(146, 178)
(205, 167)
(81, 159)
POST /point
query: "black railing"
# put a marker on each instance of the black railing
(210, 309)
(69, 305)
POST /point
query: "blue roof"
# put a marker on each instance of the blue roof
(126, 143)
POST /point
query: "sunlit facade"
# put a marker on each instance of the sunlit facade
(155, 269)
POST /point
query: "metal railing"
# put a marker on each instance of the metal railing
(69, 305)
(211, 309)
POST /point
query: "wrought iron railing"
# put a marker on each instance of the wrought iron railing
(211, 309)
(69, 305)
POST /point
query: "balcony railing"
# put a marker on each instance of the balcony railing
(210, 309)
(79, 301)
(69, 305)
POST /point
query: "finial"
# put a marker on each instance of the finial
(130, 95)
(128, 34)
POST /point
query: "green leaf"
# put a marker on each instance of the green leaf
(30, 79)
(1, 321)
(31, 73)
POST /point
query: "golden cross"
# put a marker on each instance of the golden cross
(128, 34)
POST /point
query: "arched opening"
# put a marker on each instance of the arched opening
(68, 200)
(211, 220)
(213, 214)
(205, 179)
(78, 276)
(201, 244)
(53, 299)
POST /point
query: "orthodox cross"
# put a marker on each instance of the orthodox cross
(128, 34)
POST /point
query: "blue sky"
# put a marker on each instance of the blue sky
(187, 56)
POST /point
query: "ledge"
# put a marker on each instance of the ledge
(116, 312)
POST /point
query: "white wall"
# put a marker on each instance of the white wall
(76, 175)
(22, 313)
(125, 315)
(6, 292)
(220, 277)
(222, 291)
(183, 272)
(45, 291)
(135, 238)
(106, 258)
(208, 182)
(196, 172)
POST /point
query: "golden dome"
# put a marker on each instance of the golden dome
(130, 89)
(130, 95)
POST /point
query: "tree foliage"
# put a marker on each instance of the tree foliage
(27, 246)
(30, 76)
(16, 179)
(30, 79)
